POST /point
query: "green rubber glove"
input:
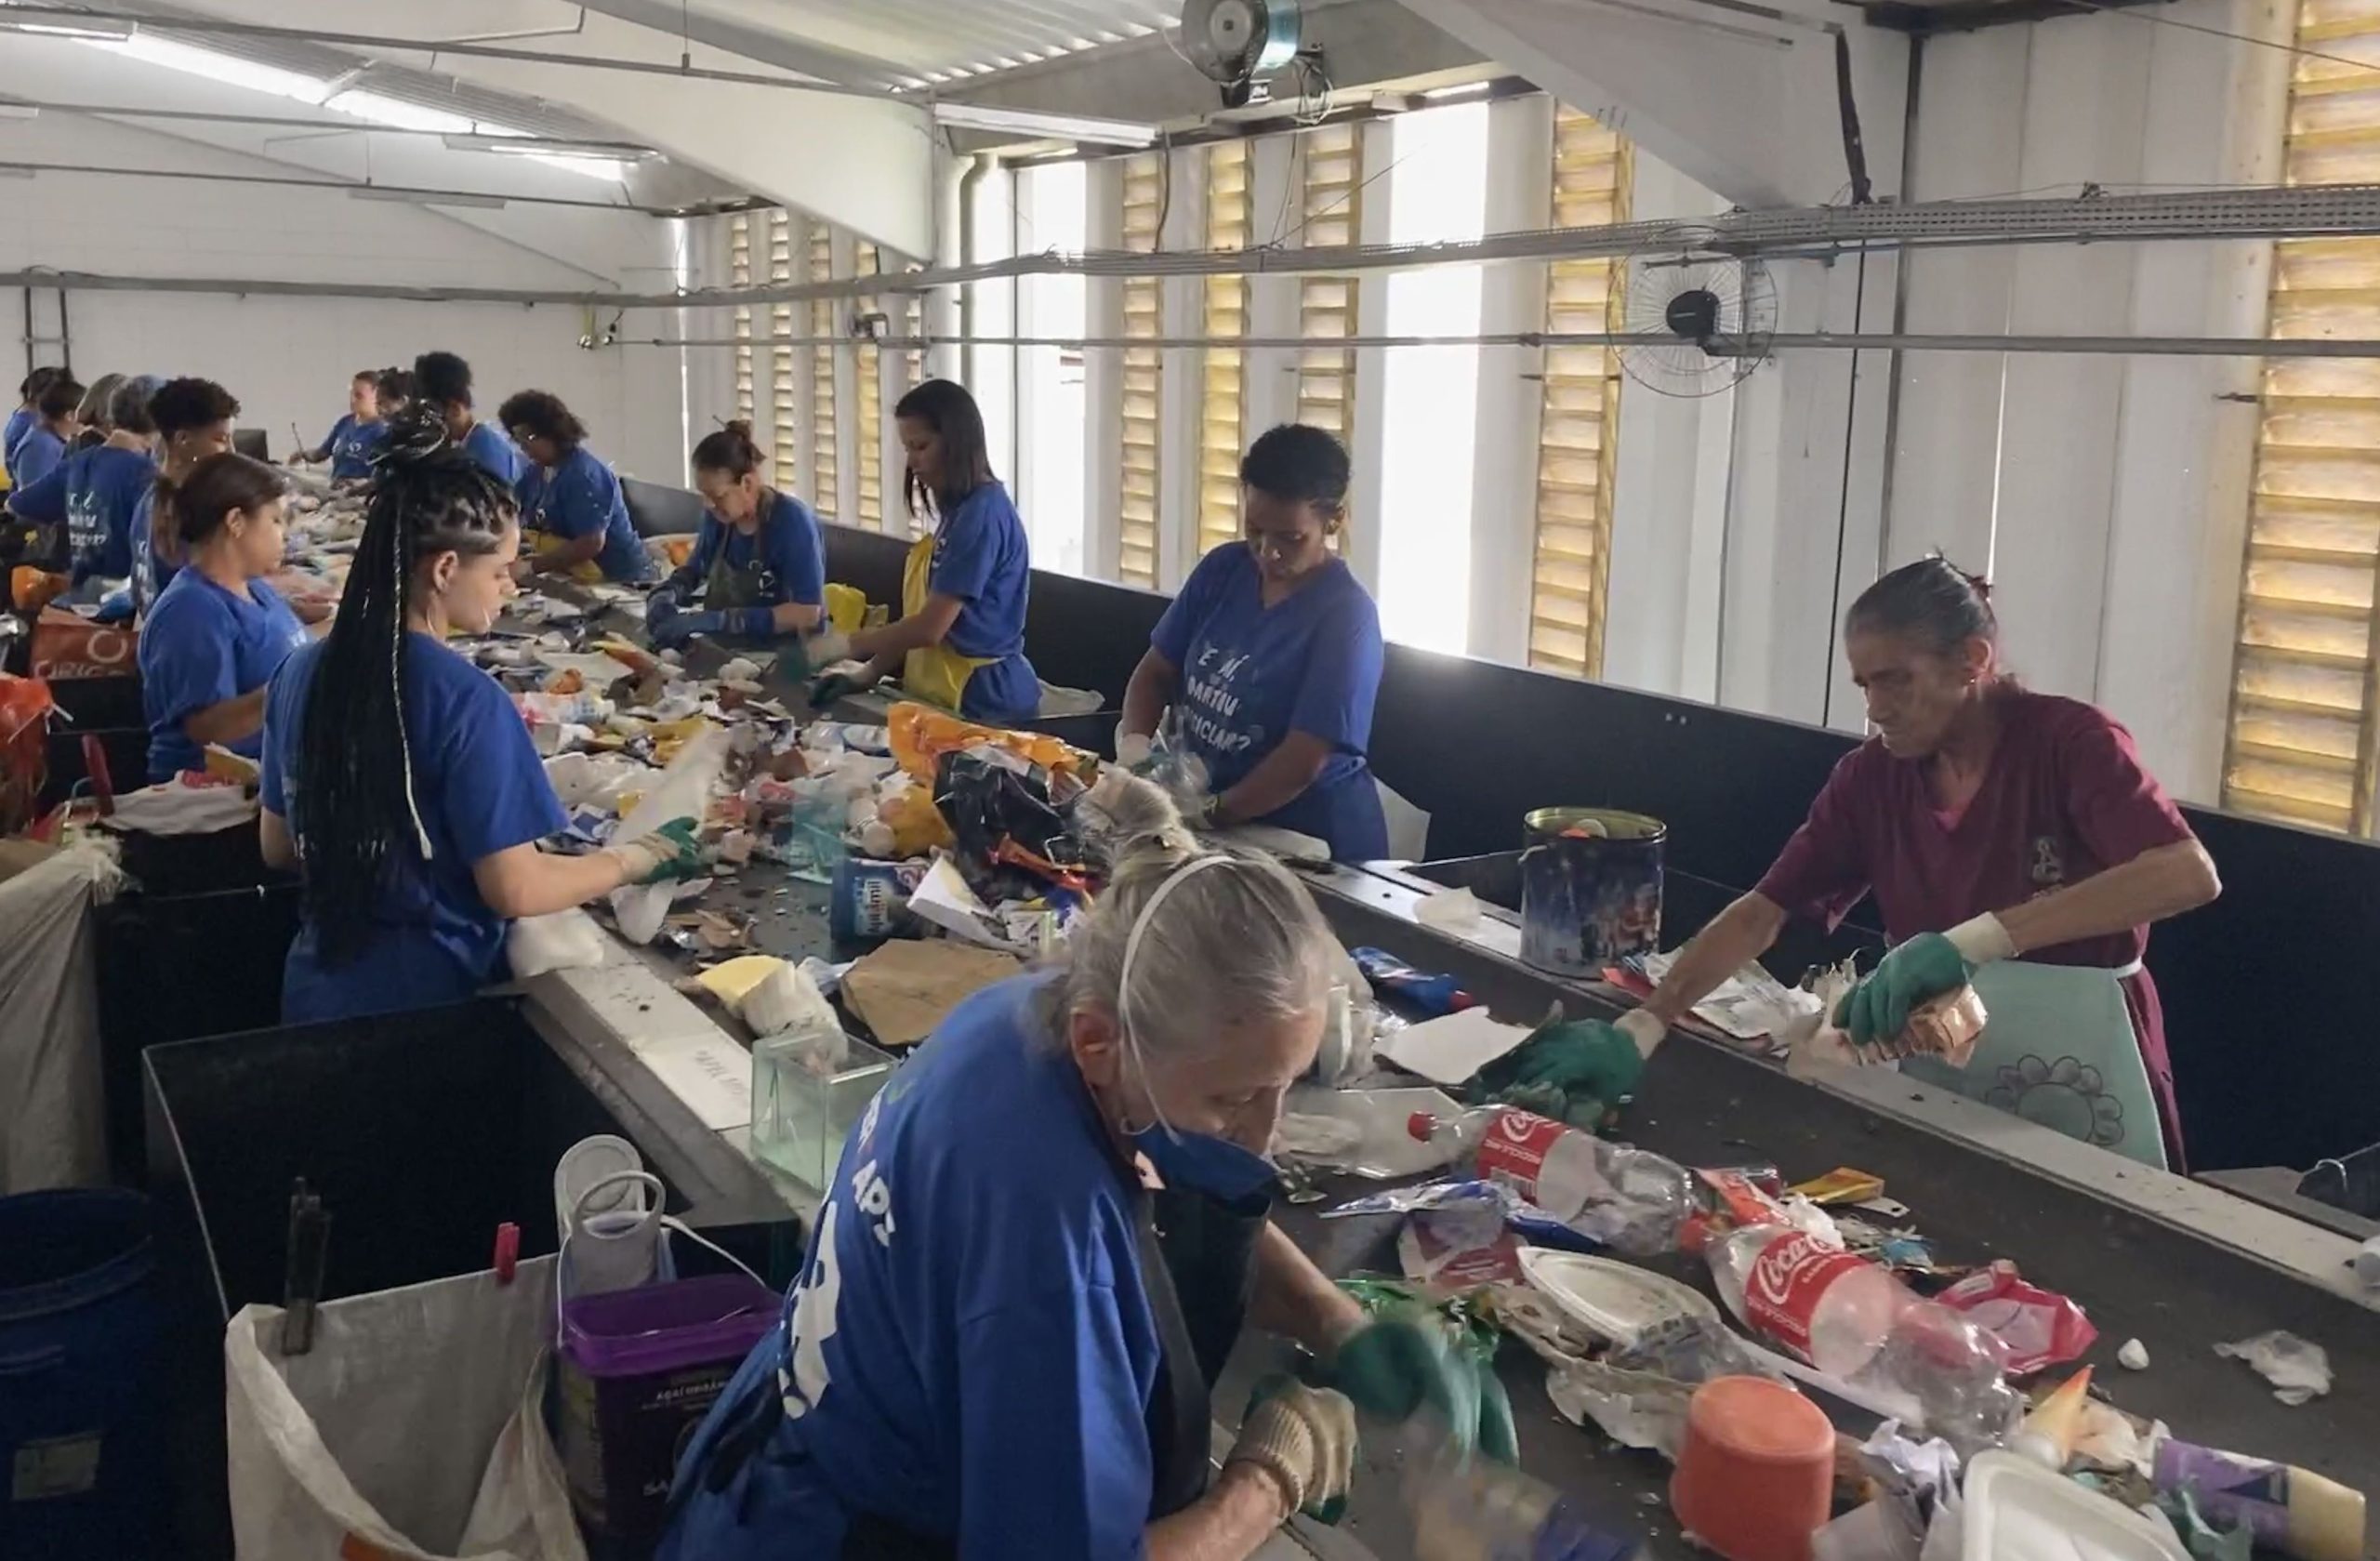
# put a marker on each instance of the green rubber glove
(1405, 1361)
(1573, 1071)
(670, 853)
(1926, 966)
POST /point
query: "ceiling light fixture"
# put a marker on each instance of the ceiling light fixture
(1046, 126)
(92, 31)
(591, 152)
(20, 111)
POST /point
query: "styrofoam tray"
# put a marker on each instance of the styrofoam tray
(1610, 1299)
(2019, 1511)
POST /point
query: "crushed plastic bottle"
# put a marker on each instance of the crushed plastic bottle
(1854, 1321)
(1468, 1508)
(1629, 1200)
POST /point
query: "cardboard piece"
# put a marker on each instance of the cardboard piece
(905, 988)
(1448, 1051)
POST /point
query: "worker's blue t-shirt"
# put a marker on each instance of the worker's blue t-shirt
(981, 557)
(481, 789)
(21, 419)
(969, 1353)
(200, 645)
(95, 492)
(581, 497)
(788, 546)
(1253, 674)
(151, 570)
(496, 455)
(351, 444)
(38, 453)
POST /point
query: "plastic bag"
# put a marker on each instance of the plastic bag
(921, 735)
(2297, 1368)
(684, 791)
(411, 1431)
(566, 940)
(2036, 1327)
(25, 705)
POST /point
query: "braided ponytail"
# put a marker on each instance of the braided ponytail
(354, 782)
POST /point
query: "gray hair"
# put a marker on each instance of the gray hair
(93, 413)
(128, 407)
(1231, 943)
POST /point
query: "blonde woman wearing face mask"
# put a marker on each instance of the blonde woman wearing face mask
(991, 1352)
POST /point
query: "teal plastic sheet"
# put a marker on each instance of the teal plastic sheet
(2058, 1050)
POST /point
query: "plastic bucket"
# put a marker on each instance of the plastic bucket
(1591, 888)
(640, 1370)
(1755, 1475)
(82, 1439)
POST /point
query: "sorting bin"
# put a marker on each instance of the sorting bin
(421, 1132)
(82, 1431)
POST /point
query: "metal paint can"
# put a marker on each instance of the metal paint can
(1591, 888)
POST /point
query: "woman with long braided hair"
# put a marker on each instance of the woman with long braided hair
(398, 777)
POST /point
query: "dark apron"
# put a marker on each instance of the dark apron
(1198, 1309)
(729, 586)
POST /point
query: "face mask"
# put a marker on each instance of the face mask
(1200, 1162)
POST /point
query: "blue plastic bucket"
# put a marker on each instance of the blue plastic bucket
(82, 1401)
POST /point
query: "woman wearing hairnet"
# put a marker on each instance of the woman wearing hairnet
(991, 1350)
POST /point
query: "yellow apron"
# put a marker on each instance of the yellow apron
(936, 674)
(544, 542)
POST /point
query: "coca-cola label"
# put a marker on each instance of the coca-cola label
(1515, 1150)
(1782, 1293)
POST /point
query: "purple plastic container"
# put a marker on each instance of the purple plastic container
(639, 1369)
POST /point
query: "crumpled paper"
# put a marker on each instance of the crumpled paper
(2298, 1369)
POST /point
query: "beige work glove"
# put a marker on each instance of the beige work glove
(1304, 1437)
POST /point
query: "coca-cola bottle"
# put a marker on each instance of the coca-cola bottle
(1854, 1320)
(1628, 1200)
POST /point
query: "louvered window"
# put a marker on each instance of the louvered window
(826, 316)
(1225, 314)
(865, 261)
(1331, 182)
(739, 273)
(1570, 566)
(1144, 321)
(2302, 733)
(782, 427)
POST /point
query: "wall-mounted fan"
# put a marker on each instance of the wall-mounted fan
(1682, 287)
(1239, 44)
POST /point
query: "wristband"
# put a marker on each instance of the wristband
(1982, 940)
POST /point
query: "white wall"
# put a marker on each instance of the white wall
(2107, 495)
(289, 359)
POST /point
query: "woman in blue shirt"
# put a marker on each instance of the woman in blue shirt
(399, 779)
(192, 418)
(960, 641)
(350, 444)
(759, 566)
(571, 505)
(1270, 658)
(21, 420)
(52, 433)
(443, 381)
(96, 495)
(991, 1352)
(214, 638)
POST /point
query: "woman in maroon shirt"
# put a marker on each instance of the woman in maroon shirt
(1989, 822)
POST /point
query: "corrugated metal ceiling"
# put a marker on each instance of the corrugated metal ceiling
(951, 40)
(423, 88)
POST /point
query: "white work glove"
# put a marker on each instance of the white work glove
(828, 647)
(1132, 748)
(1305, 1439)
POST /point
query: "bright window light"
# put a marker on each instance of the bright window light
(215, 67)
(1431, 402)
(1055, 202)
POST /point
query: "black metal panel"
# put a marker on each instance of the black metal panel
(1926, 18)
(1088, 634)
(94, 703)
(867, 561)
(659, 510)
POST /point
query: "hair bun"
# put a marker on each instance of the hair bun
(740, 426)
(415, 435)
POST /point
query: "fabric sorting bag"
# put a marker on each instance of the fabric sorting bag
(411, 1431)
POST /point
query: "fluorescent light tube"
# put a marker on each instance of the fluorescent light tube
(1046, 126)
